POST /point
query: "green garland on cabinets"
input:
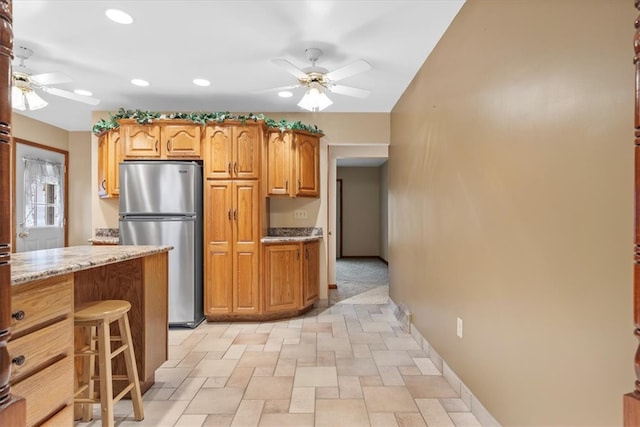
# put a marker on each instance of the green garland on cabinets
(147, 117)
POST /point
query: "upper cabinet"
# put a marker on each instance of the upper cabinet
(109, 157)
(232, 152)
(293, 163)
(161, 140)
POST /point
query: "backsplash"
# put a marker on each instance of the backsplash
(107, 232)
(295, 231)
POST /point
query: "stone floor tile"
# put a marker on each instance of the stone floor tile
(235, 351)
(215, 401)
(325, 358)
(370, 381)
(265, 388)
(454, 405)
(156, 413)
(383, 419)
(359, 367)
(248, 413)
(285, 367)
(366, 338)
(251, 338)
(390, 376)
(218, 421)
(404, 343)
(171, 377)
(276, 406)
(392, 358)
(215, 382)
(327, 393)
(255, 359)
(464, 419)
(373, 326)
(213, 344)
(317, 327)
(188, 388)
(333, 343)
(191, 421)
(349, 387)
(361, 351)
(388, 399)
(158, 393)
(429, 386)
(433, 413)
(411, 419)
(409, 370)
(214, 368)
(264, 371)
(303, 400)
(321, 376)
(341, 412)
(240, 377)
(298, 351)
(287, 420)
(192, 359)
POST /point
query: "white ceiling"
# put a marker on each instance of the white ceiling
(230, 43)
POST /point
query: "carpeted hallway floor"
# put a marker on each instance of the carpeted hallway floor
(360, 281)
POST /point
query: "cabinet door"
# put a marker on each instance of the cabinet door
(307, 152)
(113, 164)
(218, 234)
(103, 159)
(246, 256)
(141, 140)
(181, 140)
(282, 277)
(217, 152)
(246, 152)
(278, 163)
(310, 272)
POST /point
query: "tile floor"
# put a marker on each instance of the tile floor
(349, 364)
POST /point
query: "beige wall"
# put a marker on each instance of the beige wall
(360, 210)
(77, 144)
(384, 212)
(511, 203)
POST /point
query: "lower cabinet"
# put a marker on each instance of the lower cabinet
(41, 349)
(291, 275)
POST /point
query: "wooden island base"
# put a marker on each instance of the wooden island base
(286, 314)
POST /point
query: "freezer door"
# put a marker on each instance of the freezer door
(184, 281)
(168, 188)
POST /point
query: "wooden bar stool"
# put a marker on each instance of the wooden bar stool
(96, 317)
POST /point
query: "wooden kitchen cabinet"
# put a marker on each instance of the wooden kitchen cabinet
(291, 276)
(110, 155)
(41, 348)
(232, 151)
(232, 247)
(293, 164)
(161, 139)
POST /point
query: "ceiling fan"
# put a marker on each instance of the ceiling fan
(24, 85)
(318, 80)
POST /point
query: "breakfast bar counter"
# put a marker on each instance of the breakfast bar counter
(47, 284)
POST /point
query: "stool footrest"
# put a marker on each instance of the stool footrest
(124, 391)
(119, 350)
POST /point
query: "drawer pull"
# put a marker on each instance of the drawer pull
(18, 315)
(18, 360)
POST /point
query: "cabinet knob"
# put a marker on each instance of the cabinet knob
(18, 315)
(18, 360)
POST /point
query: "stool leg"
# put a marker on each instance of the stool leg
(89, 372)
(106, 386)
(132, 370)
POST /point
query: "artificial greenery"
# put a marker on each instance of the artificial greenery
(147, 117)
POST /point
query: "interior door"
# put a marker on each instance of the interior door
(40, 198)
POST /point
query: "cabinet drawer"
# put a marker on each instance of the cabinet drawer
(40, 301)
(63, 418)
(40, 347)
(47, 391)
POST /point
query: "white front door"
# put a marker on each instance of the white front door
(39, 190)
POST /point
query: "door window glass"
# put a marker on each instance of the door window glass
(43, 196)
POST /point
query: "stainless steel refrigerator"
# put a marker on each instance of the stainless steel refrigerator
(161, 204)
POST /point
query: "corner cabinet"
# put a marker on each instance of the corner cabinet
(162, 139)
(109, 157)
(291, 276)
(293, 164)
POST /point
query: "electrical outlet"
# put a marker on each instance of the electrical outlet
(459, 328)
(300, 214)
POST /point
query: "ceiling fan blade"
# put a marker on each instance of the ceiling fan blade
(70, 95)
(349, 91)
(274, 89)
(50, 78)
(348, 70)
(289, 67)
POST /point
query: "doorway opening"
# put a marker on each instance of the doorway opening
(40, 201)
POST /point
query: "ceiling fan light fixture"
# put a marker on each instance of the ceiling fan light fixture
(314, 99)
(285, 94)
(201, 82)
(34, 101)
(17, 99)
(140, 82)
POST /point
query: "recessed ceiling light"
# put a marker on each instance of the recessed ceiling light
(83, 92)
(285, 94)
(117, 15)
(201, 82)
(140, 82)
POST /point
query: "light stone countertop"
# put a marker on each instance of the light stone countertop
(101, 240)
(36, 265)
(289, 239)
